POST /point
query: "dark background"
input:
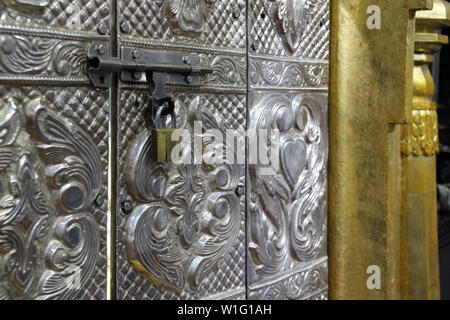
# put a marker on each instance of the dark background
(441, 73)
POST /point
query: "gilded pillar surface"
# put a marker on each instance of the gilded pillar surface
(370, 98)
(419, 147)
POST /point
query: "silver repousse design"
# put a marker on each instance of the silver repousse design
(273, 73)
(290, 28)
(47, 237)
(191, 215)
(288, 209)
(228, 70)
(84, 15)
(189, 16)
(292, 17)
(308, 284)
(41, 56)
(187, 23)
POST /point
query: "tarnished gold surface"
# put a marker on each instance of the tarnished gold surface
(370, 95)
(419, 147)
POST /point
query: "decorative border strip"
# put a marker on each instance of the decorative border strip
(233, 294)
(286, 58)
(202, 89)
(297, 284)
(30, 80)
(155, 44)
(37, 60)
(53, 33)
(287, 74)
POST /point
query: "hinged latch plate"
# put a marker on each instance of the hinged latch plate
(136, 65)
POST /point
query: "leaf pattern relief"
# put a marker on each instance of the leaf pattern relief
(287, 209)
(190, 218)
(48, 238)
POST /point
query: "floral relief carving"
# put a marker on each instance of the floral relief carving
(41, 56)
(290, 74)
(46, 232)
(191, 215)
(288, 209)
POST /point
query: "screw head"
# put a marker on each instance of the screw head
(124, 27)
(240, 191)
(101, 49)
(101, 29)
(236, 13)
(99, 200)
(135, 54)
(126, 207)
(188, 79)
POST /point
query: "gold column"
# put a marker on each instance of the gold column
(370, 96)
(419, 148)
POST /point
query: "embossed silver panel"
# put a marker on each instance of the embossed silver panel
(183, 232)
(53, 152)
(184, 237)
(286, 218)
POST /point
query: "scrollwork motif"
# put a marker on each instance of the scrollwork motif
(186, 225)
(290, 74)
(287, 210)
(75, 165)
(45, 246)
(227, 70)
(41, 56)
(305, 284)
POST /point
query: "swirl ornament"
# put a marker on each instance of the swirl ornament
(292, 16)
(189, 16)
(190, 218)
(41, 56)
(31, 225)
(287, 209)
(270, 74)
(306, 284)
(75, 165)
(26, 209)
(71, 257)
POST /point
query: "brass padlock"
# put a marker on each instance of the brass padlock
(162, 144)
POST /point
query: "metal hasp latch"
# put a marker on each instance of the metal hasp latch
(153, 67)
(137, 64)
(144, 66)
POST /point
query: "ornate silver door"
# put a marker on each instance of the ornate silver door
(54, 129)
(286, 212)
(79, 193)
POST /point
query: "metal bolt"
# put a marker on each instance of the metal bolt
(101, 29)
(135, 54)
(236, 13)
(124, 27)
(255, 46)
(188, 79)
(101, 49)
(100, 200)
(240, 191)
(126, 207)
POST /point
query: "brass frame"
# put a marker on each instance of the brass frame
(370, 100)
